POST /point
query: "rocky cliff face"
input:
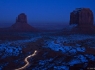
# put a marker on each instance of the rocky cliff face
(22, 18)
(21, 24)
(84, 19)
(82, 16)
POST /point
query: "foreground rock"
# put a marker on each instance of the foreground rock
(84, 19)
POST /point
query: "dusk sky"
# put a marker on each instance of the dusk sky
(41, 12)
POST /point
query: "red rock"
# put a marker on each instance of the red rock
(82, 16)
(22, 18)
(84, 19)
(21, 24)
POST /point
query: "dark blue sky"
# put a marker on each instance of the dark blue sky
(41, 12)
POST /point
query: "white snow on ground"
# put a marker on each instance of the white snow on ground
(14, 48)
(74, 61)
(82, 58)
(58, 46)
(61, 67)
(90, 56)
(2, 65)
(18, 42)
(78, 59)
(70, 27)
(9, 51)
(62, 48)
(45, 65)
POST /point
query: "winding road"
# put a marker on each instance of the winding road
(27, 63)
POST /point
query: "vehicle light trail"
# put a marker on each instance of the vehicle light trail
(27, 63)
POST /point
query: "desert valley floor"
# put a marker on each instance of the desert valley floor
(55, 52)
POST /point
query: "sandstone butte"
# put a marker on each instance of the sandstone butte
(84, 19)
(21, 24)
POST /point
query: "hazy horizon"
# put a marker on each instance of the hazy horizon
(41, 13)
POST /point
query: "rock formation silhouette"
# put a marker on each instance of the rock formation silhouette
(84, 19)
(21, 24)
(82, 16)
